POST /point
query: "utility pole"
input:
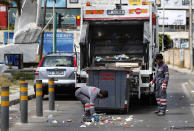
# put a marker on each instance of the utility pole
(163, 29)
(191, 35)
(40, 51)
(54, 27)
(8, 22)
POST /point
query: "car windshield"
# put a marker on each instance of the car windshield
(54, 61)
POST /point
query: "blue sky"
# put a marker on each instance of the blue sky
(59, 3)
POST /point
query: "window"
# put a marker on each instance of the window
(54, 61)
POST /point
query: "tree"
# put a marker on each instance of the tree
(40, 51)
(168, 42)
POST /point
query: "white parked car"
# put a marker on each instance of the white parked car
(61, 67)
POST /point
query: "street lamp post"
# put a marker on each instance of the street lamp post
(54, 27)
(8, 26)
(163, 29)
(191, 36)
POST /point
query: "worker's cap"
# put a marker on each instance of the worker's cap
(159, 56)
(80, 84)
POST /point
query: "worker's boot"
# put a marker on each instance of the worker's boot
(86, 119)
(156, 112)
(87, 116)
(161, 113)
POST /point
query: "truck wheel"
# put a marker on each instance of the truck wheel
(35, 89)
(152, 99)
(129, 104)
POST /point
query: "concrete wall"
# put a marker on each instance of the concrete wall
(187, 58)
(29, 51)
(173, 57)
(2, 36)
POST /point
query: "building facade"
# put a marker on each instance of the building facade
(174, 20)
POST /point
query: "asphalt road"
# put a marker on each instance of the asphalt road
(178, 118)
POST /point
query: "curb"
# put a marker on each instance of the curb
(16, 101)
(191, 84)
(14, 97)
(181, 70)
(190, 87)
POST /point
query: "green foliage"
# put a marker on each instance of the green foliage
(17, 75)
(4, 81)
(168, 42)
(11, 28)
(5, 3)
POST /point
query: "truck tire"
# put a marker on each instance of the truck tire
(152, 99)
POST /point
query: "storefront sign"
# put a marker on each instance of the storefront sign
(64, 42)
(2, 8)
(172, 17)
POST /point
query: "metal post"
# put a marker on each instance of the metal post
(191, 35)
(22, 80)
(38, 11)
(163, 29)
(157, 32)
(24, 102)
(39, 106)
(5, 109)
(151, 40)
(51, 94)
(54, 28)
(8, 22)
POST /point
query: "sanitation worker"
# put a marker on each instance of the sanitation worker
(87, 95)
(161, 80)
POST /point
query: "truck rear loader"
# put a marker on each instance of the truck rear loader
(117, 48)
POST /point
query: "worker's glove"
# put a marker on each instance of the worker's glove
(151, 83)
(163, 86)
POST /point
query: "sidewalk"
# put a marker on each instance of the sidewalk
(14, 92)
(182, 70)
(15, 89)
(190, 83)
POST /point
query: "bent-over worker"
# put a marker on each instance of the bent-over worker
(87, 95)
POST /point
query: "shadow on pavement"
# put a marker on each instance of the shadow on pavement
(63, 97)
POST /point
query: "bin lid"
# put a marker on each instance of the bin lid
(108, 68)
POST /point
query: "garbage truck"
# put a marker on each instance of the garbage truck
(118, 43)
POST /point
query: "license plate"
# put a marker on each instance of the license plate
(55, 79)
(56, 72)
(116, 12)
